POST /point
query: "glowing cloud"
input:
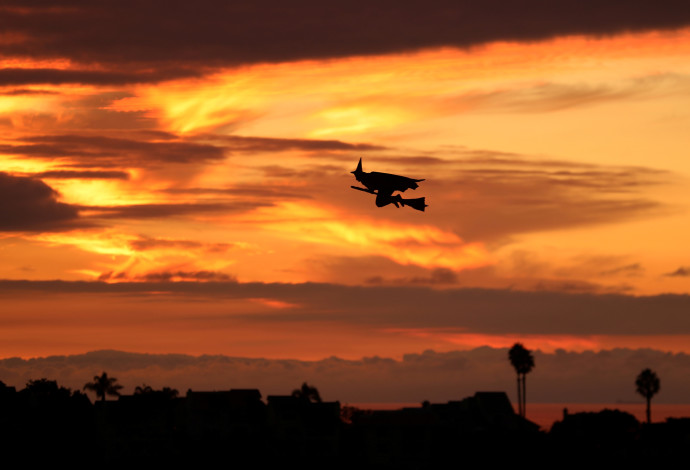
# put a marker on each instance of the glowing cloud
(422, 245)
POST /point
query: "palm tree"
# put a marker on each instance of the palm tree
(143, 390)
(166, 392)
(523, 362)
(307, 392)
(104, 385)
(648, 385)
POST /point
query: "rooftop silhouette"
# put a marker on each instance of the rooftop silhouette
(239, 426)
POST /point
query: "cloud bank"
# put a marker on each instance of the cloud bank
(473, 310)
(588, 377)
(29, 204)
(188, 38)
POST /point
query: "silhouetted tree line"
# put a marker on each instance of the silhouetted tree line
(521, 359)
(50, 423)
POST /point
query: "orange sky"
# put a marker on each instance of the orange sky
(554, 164)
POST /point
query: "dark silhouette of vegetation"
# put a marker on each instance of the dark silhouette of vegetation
(47, 389)
(307, 392)
(647, 384)
(156, 427)
(349, 414)
(166, 392)
(523, 362)
(104, 385)
(595, 436)
(143, 389)
(46, 421)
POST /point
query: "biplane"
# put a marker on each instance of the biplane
(383, 185)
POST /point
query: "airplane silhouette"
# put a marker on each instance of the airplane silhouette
(384, 184)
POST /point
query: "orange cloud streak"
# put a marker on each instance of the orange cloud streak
(422, 245)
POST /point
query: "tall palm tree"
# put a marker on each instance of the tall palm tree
(104, 385)
(648, 385)
(523, 362)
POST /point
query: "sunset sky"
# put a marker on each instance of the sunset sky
(176, 179)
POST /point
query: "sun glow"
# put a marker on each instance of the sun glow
(107, 242)
(422, 245)
(360, 95)
(556, 166)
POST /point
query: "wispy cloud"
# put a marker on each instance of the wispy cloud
(500, 197)
(266, 144)
(159, 211)
(42, 76)
(552, 97)
(72, 174)
(680, 272)
(99, 150)
(148, 243)
(168, 276)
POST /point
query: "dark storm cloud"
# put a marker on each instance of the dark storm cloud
(485, 311)
(99, 150)
(162, 41)
(28, 204)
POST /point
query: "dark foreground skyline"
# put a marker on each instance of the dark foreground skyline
(237, 426)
